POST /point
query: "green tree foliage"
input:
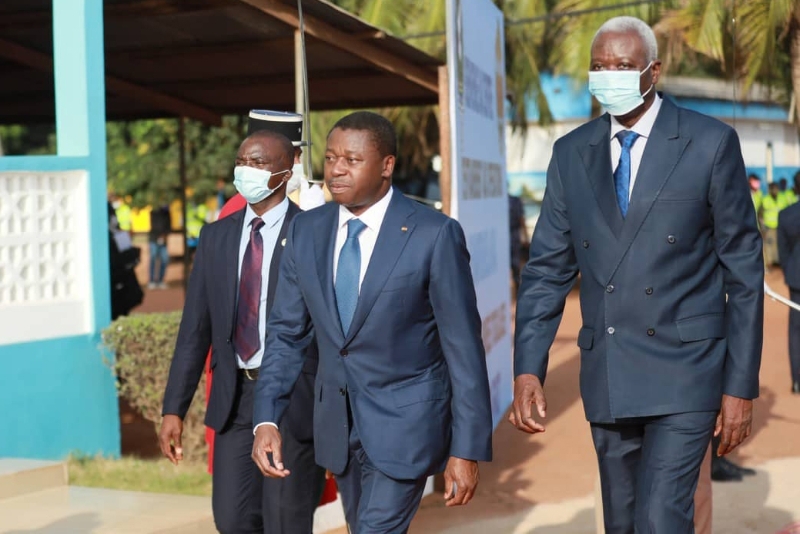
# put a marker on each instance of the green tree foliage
(144, 164)
(19, 140)
(747, 40)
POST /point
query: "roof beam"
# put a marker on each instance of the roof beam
(201, 49)
(181, 108)
(134, 8)
(349, 43)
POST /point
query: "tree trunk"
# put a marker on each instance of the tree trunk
(794, 52)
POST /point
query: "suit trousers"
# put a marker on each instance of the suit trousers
(649, 469)
(373, 502)
(794, 336)
(246, 502)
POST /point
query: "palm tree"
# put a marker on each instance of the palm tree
(417, 127)
(750, 39)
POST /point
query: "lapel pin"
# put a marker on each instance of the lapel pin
(404, 229)
(283, 242)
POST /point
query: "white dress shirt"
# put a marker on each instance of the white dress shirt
(643, 127)
(373, 218)
(273, 220)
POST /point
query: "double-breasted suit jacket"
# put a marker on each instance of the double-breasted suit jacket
(672, 295)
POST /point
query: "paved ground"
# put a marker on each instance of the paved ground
(546, 482)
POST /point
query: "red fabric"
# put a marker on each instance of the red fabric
(329, 494)
(233, 205)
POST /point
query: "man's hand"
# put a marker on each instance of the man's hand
(528, 391)
(460, 480)
(734, 423)
(169, 438)
(268, 440)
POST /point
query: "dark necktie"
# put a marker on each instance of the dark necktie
(622, 176)
(246, 338)
(348, 272)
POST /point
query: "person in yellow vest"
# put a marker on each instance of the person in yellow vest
(755, 193)
(196, 218)
(123, 213)
(788, 194)
(771, 205)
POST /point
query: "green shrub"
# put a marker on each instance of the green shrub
(143, 345)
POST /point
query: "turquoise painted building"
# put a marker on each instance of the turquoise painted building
(57, 392)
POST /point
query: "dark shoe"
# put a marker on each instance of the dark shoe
(796, 388)
(746, 471)
(724, 472)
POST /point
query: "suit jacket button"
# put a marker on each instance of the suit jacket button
(343, 353)
(228, 341)
(610, 330)
(648, 290)
(671, 239)
(609, 288)
(651, 332)
(585, 244)
(342, 392)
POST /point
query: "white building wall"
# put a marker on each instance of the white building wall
(755, 135)
(45, 290)
(531, 153)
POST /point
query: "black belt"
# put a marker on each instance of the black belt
(249, 374)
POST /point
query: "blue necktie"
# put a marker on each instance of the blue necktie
(348, 272)
(622, 176)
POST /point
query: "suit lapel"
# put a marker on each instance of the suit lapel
(277, 252)
(664, 149)
(392, 238)
(230, 250)
(661, 154)
(597, 161)
(324, 243)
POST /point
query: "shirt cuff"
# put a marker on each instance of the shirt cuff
(262, 424)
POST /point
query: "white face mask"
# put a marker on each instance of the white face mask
(618, 90)
(298, 175)
(253, 184)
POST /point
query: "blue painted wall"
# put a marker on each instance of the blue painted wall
(569, 99)
(58, 395)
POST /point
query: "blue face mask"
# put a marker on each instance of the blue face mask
(253, 184)
(618, 90)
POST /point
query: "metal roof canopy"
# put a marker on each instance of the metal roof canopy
(202, 59)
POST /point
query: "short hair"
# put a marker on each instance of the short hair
(380, 130)
(632, 24)
(754, 176)
(285, 144)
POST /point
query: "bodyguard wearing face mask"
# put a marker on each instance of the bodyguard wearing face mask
(230, 293)
(650, 204)
(298, 189)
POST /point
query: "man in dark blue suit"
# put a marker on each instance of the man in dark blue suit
(789, 254)
(650, 204)
(231, 290)
(402, 390)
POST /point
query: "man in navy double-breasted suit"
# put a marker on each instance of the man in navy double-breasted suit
(650, 204)
(402, 390)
